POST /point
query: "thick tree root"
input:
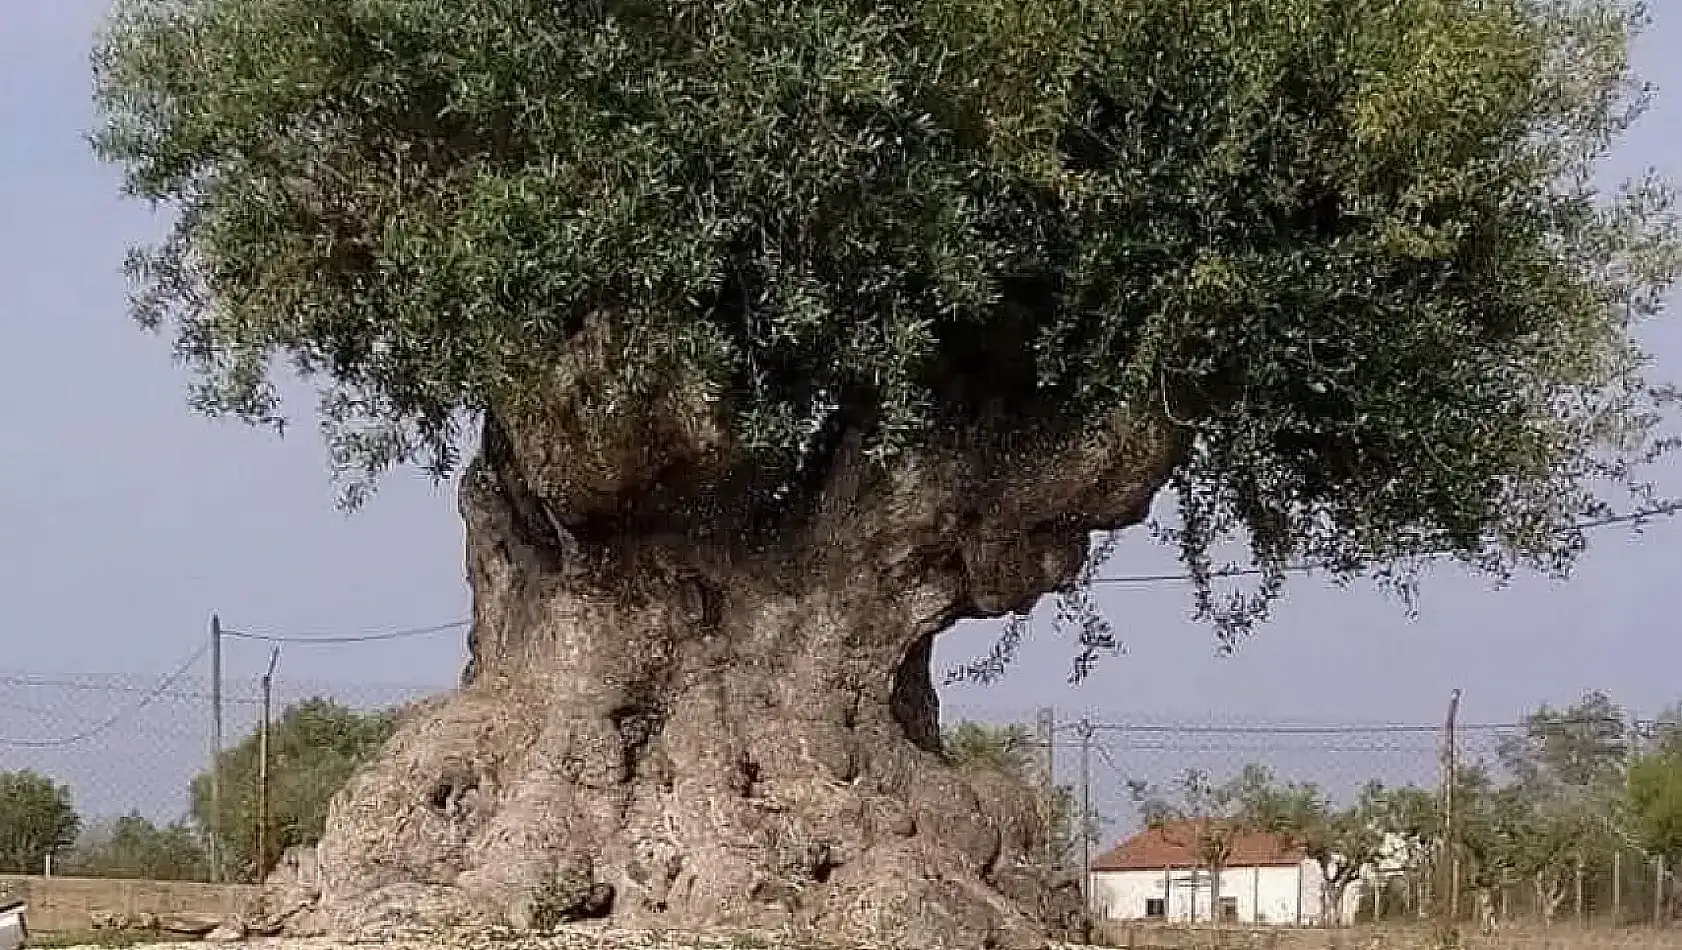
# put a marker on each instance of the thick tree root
(485, 810)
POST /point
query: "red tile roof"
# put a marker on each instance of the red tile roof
(1174, 844)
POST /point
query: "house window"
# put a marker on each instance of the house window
(1156, 907)
(1229, 909)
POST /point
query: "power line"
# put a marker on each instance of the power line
(92, 731)
(1168, 745)
(45, 682)
(192, 695)
(432, 629)
(1295, 730)
(1427, 751)
(400, 634)
(1632, 517)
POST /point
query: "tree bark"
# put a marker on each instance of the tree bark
(681, 730)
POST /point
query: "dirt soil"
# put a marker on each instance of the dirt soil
(571, 937)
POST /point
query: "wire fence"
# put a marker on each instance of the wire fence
(135, 744)
(1119, 761)
(1337, 755)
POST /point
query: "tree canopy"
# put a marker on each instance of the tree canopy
(1577, 750)
(37, 819)
(1653, 784)
(1655, 792)
(1354, 253)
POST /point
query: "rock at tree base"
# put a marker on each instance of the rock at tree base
(229, 931)
(289, 898)
(188, 925)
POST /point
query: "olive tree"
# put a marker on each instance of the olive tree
(1207, 819)
(38, 819)
(767, 340)
(1345, 841)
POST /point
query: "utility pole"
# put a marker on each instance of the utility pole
(1451, 838)
(1084, 827)
(263, 772)
(215, 822)
(1658, 890)
(1045, 729)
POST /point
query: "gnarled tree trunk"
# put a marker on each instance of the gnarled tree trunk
(690, 733)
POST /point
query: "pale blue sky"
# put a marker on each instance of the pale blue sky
(125, 520)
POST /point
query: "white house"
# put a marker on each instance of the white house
(1156, 875)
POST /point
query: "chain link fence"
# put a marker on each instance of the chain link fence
(134, 745)
(1589, 876)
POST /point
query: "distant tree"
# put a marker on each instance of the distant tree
(1572, 751)
(1341, 840)
(1410, 815)
(1568, 770)
(1665, 731)
(1655, 803)
(1210, 816)
(314, 747)
(1479, 829)
(1542, 841)
(134, 847)
(1512, 831)
(37, 818)
(1653, 795)
(1411, 818)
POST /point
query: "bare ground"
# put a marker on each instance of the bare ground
(569, 937)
